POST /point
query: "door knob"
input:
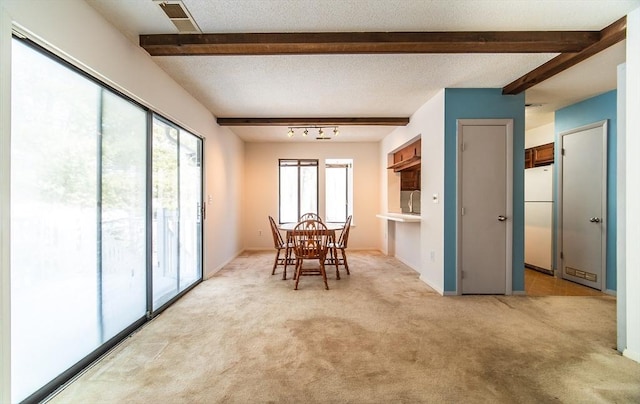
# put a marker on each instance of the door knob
(502, 218)
(595, 220)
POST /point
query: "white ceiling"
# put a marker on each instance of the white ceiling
(369, 85)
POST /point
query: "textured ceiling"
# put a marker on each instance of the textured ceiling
(369, 85)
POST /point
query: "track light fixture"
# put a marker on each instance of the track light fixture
(305, 132)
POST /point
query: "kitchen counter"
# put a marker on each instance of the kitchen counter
(400, 217)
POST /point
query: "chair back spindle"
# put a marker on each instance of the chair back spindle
(344, 235)
(310, 216)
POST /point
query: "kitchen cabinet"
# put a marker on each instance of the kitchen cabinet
(410, 179)
(407, 158)
(539, 155)
(528, 158)
(543, 154)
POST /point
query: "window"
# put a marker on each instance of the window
(338, 189)
(298, 188)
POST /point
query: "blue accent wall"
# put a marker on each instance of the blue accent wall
(482, 103)
(599, 108)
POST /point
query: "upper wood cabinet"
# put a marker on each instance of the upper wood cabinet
(543, 154)
(410, 179)
(407, 158)
(528, 158)
(539, 155)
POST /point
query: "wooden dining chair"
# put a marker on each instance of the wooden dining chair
(280, 244)
(310, 239)
(340, 245)
(310, 216)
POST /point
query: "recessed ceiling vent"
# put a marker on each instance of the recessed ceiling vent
(179, 16)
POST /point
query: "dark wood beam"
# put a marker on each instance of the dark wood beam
(367, 43)
(393, 121)
(609, 36)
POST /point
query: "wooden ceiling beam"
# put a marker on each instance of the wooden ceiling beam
(609, 36)
(389, 121)
(367, 43)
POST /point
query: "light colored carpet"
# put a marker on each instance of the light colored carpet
(379, 335)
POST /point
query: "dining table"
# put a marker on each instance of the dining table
(332, 228)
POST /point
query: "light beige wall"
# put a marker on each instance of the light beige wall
(632, 260)
(224, 177)
(541, 135)
(5, 221)
(423, 250)
(261, 188)
(430, 118)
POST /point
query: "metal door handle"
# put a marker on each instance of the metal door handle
(595, 220)
(502, 218)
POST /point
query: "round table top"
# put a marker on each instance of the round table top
(330, 226)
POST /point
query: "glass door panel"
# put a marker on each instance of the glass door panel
(54, 188)
(165, 223)
(123, 225)
(190, 209)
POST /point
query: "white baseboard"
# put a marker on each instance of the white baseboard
(633, 355)
(406, 263)
(209, 274)
(519, 293)
(611, 292)
(432, 286)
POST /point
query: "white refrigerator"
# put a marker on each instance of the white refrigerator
(538, 217)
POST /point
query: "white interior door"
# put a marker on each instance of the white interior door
(484, 206)
(583, 207)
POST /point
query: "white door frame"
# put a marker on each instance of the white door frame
(508, 124)
(559, 258)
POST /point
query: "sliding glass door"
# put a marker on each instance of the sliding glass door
(81, 261)
(177, 219)
(77, 226)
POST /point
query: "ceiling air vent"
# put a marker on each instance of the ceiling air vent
(179, 16)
